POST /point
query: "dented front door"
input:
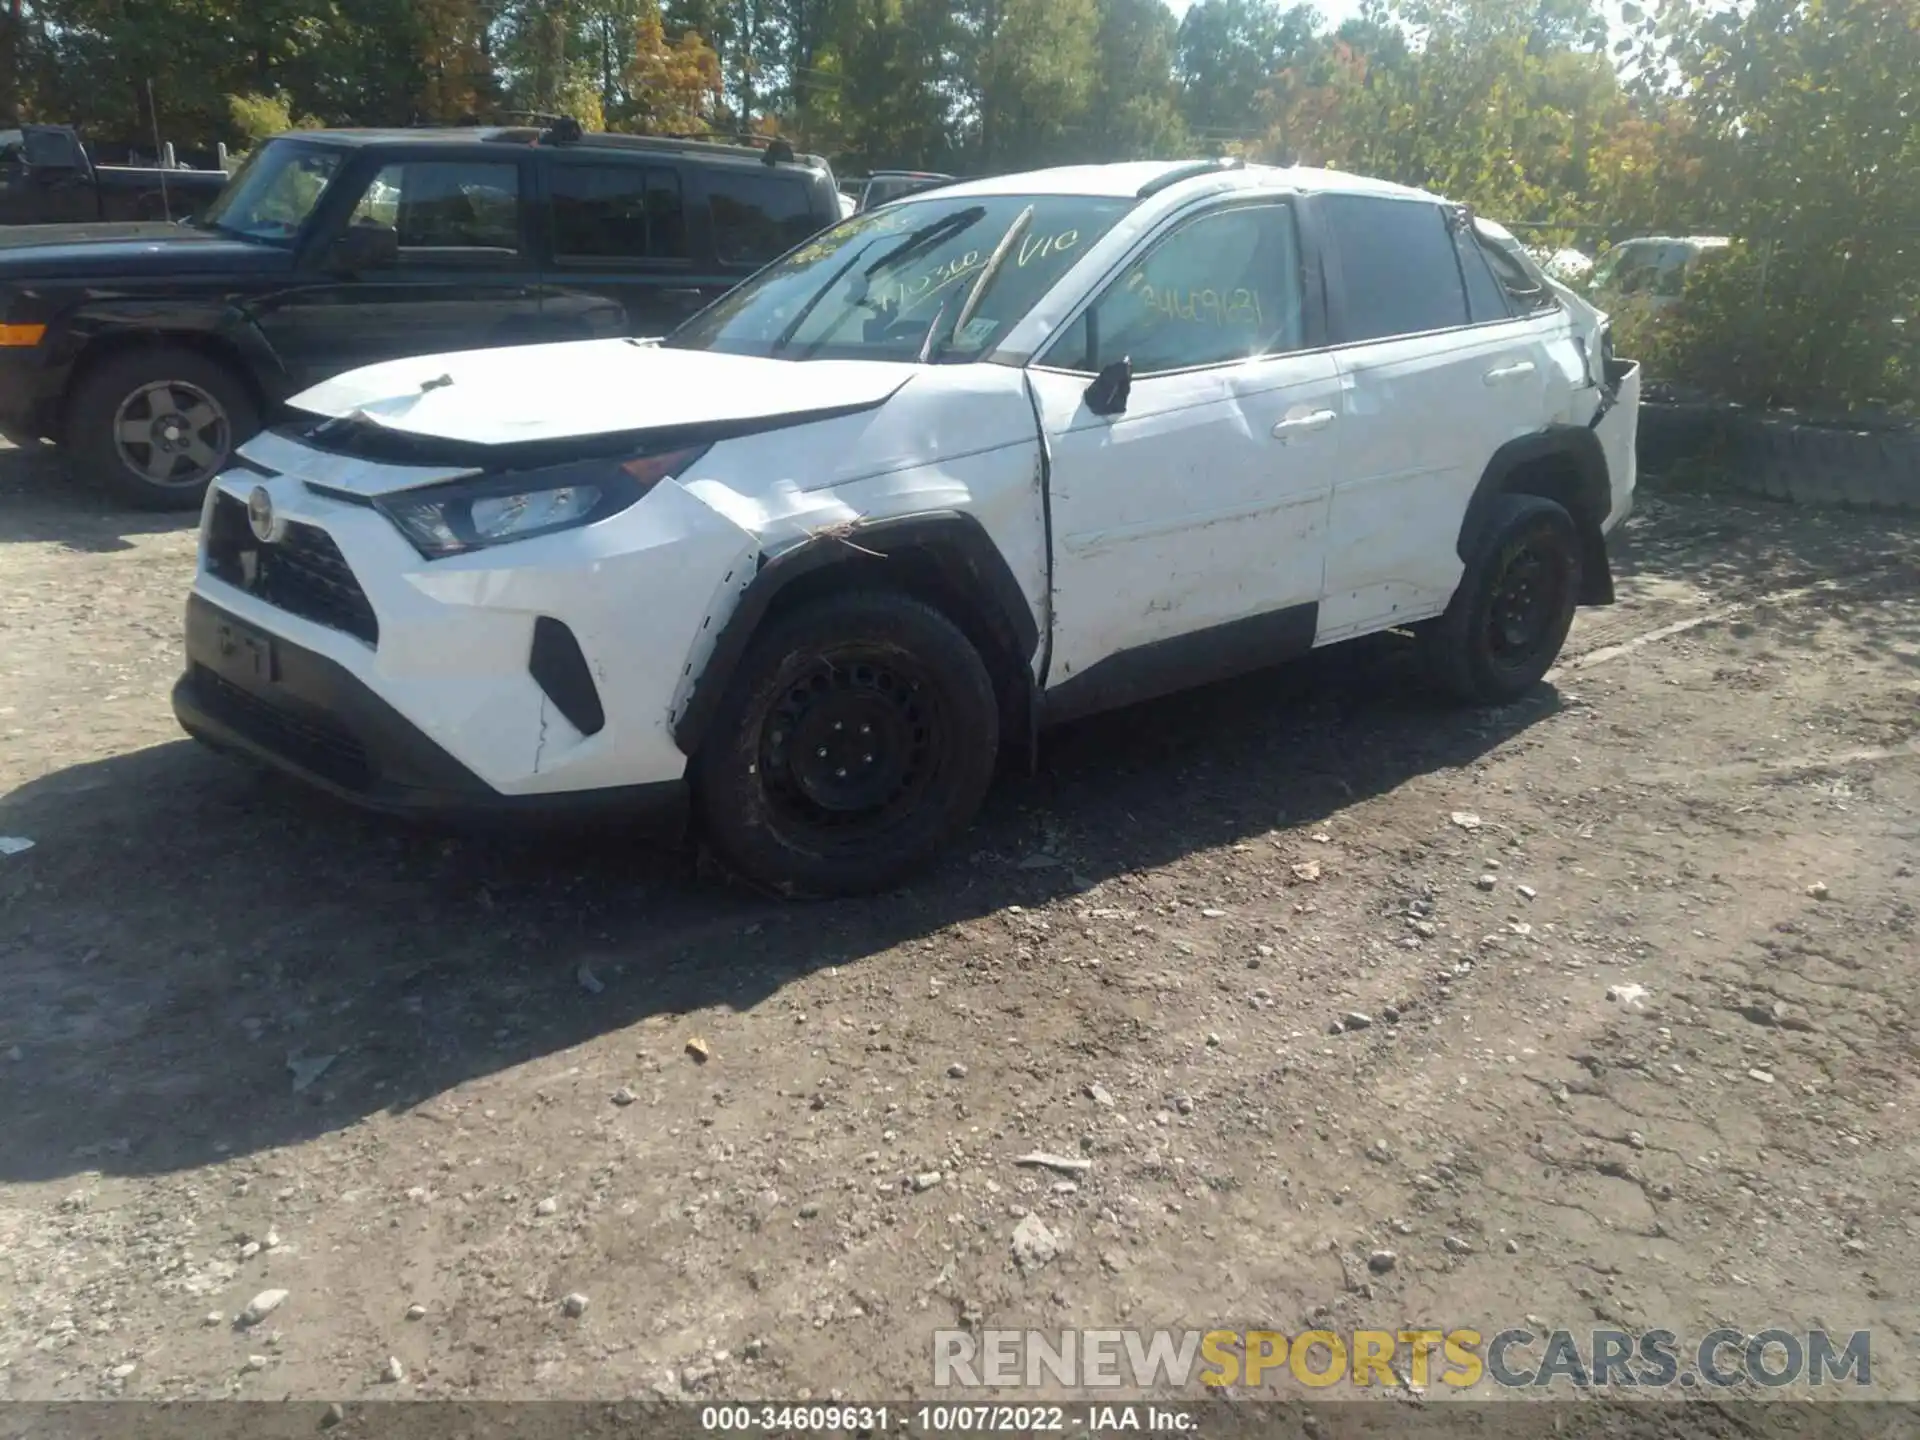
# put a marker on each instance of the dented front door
(1204, 502)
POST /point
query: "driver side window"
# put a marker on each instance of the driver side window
(1221, 288)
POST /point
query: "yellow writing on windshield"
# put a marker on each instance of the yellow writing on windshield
(1042, 247)
(909, 295)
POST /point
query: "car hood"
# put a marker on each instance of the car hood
(545, 395)
(134, 250)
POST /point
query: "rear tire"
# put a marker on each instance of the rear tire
(856, 740)
(1510, 615)
(154, 426)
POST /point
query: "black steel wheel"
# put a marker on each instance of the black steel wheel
(1514, 605)
(1529, 594)
(857, 738)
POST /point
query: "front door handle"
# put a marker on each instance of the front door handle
(1303, 424)
(1509, 372)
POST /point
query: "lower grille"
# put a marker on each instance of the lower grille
(327, 749)
(303, 573)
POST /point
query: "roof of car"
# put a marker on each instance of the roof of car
(531, 135)
(1125, 179)
(1705, 242)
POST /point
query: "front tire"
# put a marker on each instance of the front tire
(856, 740)
(154, 426)
(1510, 615)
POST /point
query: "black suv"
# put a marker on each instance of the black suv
(149, 352)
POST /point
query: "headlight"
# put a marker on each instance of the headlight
(491, 510)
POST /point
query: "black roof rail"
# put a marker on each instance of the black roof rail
(1189, 171)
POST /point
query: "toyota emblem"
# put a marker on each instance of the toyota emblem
(260, 514)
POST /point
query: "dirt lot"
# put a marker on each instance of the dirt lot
(1137, 962)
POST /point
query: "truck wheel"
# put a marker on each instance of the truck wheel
(155, 426)
(1514, 605)
(857, 738)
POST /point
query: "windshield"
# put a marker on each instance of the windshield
(273, 193)
(891, 284)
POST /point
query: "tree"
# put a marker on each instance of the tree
(455, 74)
(1133, 110)
(895, 109)
(1228, 54)
(1023, 71)
(667, 86)
(1803, 130)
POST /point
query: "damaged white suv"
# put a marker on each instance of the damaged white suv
(956, 469)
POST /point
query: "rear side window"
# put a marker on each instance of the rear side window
(1397, 257)
(1524, 289)
(757, 216)
(617, 212)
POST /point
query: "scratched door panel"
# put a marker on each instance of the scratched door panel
(1204, 501)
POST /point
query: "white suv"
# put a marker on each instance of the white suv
(956, 469)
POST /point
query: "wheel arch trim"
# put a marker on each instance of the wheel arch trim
(956, 547)
(1572, 455)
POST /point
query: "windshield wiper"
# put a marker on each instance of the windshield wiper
(785, 337)
(978, 291)
(926, 236)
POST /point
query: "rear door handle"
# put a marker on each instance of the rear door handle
(1304, 424)
(1509, 372)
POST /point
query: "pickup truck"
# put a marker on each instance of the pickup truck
(149, 352)
(47, 178)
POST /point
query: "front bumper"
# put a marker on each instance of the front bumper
(281, 704)
(537, 678)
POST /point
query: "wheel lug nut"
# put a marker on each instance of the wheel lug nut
(821, 752)
(841, 774)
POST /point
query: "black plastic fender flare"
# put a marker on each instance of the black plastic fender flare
(957, 545)
(1589, 502)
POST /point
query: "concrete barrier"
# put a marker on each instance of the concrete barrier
(1864, 464)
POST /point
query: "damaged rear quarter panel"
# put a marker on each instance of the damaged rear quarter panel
(959, 437)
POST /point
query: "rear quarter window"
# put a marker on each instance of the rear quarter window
(1525, 291)
(758, 216)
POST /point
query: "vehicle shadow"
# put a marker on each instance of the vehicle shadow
(184, 928)
(41, 502)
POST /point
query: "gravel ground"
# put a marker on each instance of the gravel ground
(1348, 1008)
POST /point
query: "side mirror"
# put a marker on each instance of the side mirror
(365, 247)
(1108, 393)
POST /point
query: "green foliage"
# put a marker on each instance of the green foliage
(1229, 53)
(1133, 110)
(253, 118)
(1804, 143)
(1792, 125)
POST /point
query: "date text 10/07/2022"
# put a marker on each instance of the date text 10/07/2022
(1025, 1420)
